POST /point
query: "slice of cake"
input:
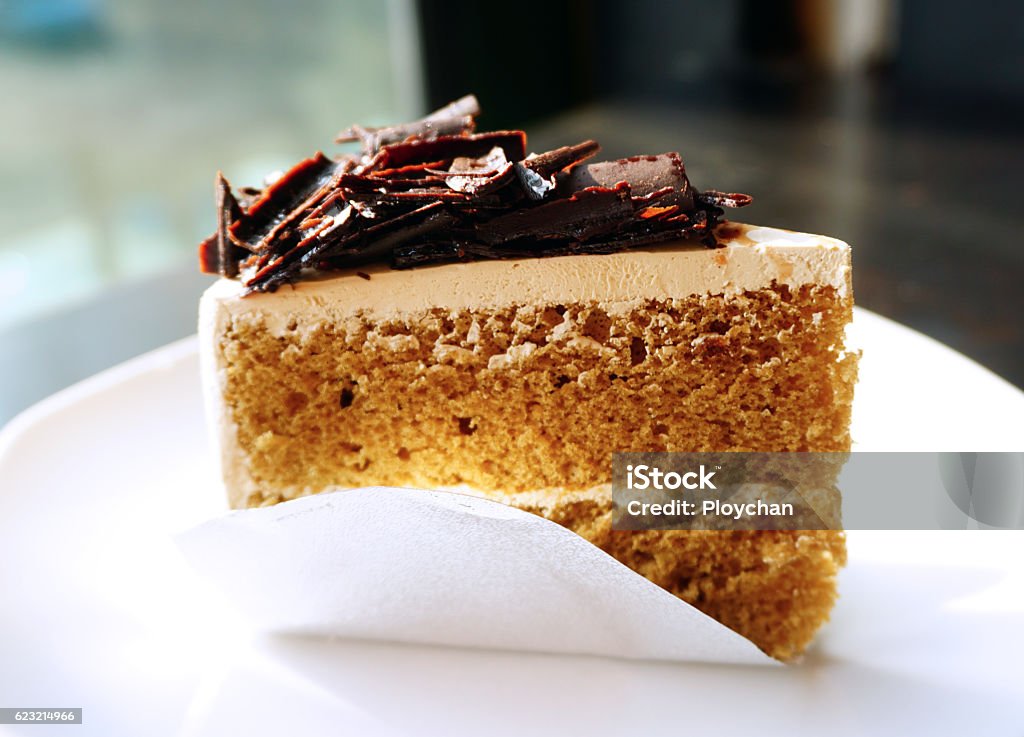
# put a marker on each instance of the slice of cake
(646, 325)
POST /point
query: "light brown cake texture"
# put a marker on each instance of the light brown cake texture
(526, 404)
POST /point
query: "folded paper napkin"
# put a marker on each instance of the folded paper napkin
(411, 565)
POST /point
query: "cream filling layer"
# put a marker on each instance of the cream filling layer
(751, 259)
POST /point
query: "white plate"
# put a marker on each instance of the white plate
(100, 611)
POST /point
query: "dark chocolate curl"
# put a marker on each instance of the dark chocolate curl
(247, 196)
(480, 176)
(551, 163)
(589, 213)
(410, 196)
(422, 129)
(354, 248)
(228, 213)
(645, 174)
(285, 199)
(377, 242)
(465, 105)
(536, 174)
(282, 265)
(217, 254)
(513, 143)
(455, 118)
(491, 184)
(533, 185)
(354, 184)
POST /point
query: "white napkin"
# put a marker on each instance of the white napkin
(412, 565)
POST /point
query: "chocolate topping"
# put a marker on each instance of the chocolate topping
(646, 176)
(454, 118)
(588, 214)
(449, 147)
(433, 191)
(217, 254)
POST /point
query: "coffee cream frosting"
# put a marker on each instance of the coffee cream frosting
(751, 258)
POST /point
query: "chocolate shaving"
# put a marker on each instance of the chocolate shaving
(270, 273)
(561, 159)
(424, 130)
(285, 200)
(537, 173)
(724, 199)
(645, 174)
(465, 105)
(433, 191)
(377, 242)
(248, 195)
(358, 183)
(455, 118)
(217, 254)
(479, 176)
(450, 147)
(589, 213)
(410, 195)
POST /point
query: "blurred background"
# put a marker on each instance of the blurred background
(892, 124)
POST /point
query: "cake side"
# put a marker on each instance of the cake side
(535, 396)
(774, 587)
(443, 309)
(352, 382)
(308, 392)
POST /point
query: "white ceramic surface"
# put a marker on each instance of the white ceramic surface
(98, 609)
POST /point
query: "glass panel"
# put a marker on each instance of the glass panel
(118, 113)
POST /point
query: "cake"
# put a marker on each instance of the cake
(434, 355)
